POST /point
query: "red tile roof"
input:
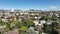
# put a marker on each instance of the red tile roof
(15, 31)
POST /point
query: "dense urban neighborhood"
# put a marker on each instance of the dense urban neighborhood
(29, 22)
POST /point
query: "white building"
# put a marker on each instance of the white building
(36, 22)
(4, 20)
(56, 14)
(41, 22)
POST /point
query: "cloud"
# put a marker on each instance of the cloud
(54, 8)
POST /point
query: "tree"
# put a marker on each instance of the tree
(51, 29)
(23, 28)
(28, 22)
(1, 22)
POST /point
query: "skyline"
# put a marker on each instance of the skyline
(30, 4)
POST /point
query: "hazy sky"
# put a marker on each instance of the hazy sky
(30, 4)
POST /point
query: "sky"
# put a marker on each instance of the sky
(30, 4)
